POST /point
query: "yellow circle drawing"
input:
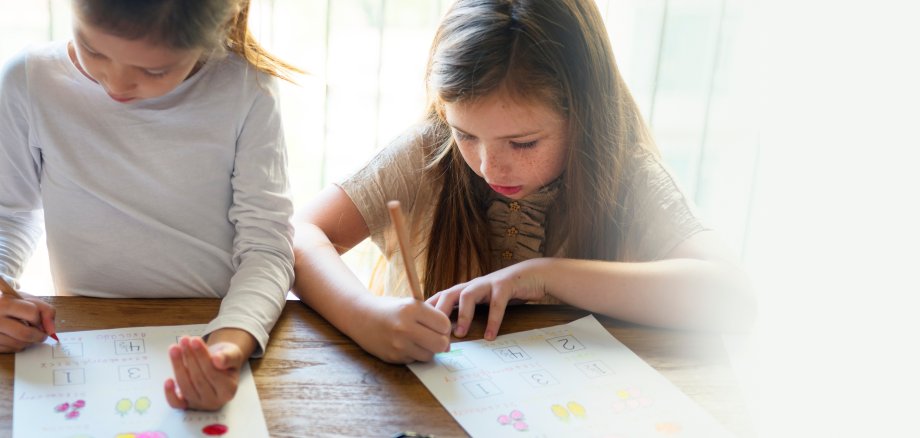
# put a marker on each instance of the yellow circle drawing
(141, 405)
(577, 409)
(560, 412)
(623, 394)
(123, 406)
(126, 435)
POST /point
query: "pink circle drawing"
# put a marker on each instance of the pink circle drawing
(79, 404)
(516, 415)
(72, 415)
(504, 419)
(62, 407)
(520, 426)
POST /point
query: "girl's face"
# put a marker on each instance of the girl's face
(129, 70)
(516, 147)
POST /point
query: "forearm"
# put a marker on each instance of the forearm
(680, 293)
(325, 283)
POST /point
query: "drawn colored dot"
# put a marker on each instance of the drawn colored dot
(215, 429)
(123, 406)
(517, 415)
(576, 409)
(560, 412)
(142, 404)
(624, 394)
(72, 415)
(126, 435)
(79, 404)
(634, 392)
(504, 419)
(668, 428)
(152, 434)
(520, 426)
(62, 407)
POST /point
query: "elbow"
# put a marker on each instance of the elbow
(741, 306)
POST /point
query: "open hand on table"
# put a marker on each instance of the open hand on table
(206, 375)
(512, 284)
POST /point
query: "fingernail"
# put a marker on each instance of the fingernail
(489, 334)
(460, 331)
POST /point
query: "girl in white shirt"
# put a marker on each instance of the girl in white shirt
(151, 145)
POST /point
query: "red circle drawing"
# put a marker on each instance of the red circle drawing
(215, 429)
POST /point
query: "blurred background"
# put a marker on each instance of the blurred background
(792, 125)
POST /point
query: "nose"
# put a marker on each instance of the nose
(493, 163)
(120, 80)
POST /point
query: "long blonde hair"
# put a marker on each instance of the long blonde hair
(185, 24)
(553, 52)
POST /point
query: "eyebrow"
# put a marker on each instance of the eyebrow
(82, 40)
(504, 137)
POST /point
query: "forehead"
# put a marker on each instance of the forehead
(498, 111)
(138, 52)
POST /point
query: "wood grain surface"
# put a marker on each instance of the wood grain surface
(314, 381)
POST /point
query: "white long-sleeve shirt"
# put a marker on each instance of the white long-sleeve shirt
(185, 195)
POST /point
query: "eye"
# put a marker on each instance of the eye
(526, 145)
(156, 74)
(462, 136)
(94, 54)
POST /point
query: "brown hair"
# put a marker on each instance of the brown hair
(551, 52)
(185, 24)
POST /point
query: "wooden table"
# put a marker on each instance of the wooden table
(314, 381)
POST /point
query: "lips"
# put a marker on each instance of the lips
(505, 190)
(121, 99)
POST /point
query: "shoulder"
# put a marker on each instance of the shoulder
(21, 72)
(230, 66)
(18, 66)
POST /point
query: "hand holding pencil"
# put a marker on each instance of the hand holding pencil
(23, 320)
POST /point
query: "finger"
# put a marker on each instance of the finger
(11, 345)
(497, 307)
(22, 310)
(447, 300)
(418, 353)
(201, 370)
(466, 307)
(173, 397)
(433, 320)
(21, 332)
(434, 341)
(47, 312)
(225, 357)
(181, 372)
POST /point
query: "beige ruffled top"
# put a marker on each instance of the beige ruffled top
(658, 215)
(517, 228)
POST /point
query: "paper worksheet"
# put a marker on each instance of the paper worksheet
(574, 379)
(109, 383)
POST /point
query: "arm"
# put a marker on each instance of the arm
(207, 373)
(20, 212)
(396, 330)
(697, 285)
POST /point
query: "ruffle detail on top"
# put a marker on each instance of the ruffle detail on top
(517, 228)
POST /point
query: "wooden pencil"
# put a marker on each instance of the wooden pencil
(405, 247)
